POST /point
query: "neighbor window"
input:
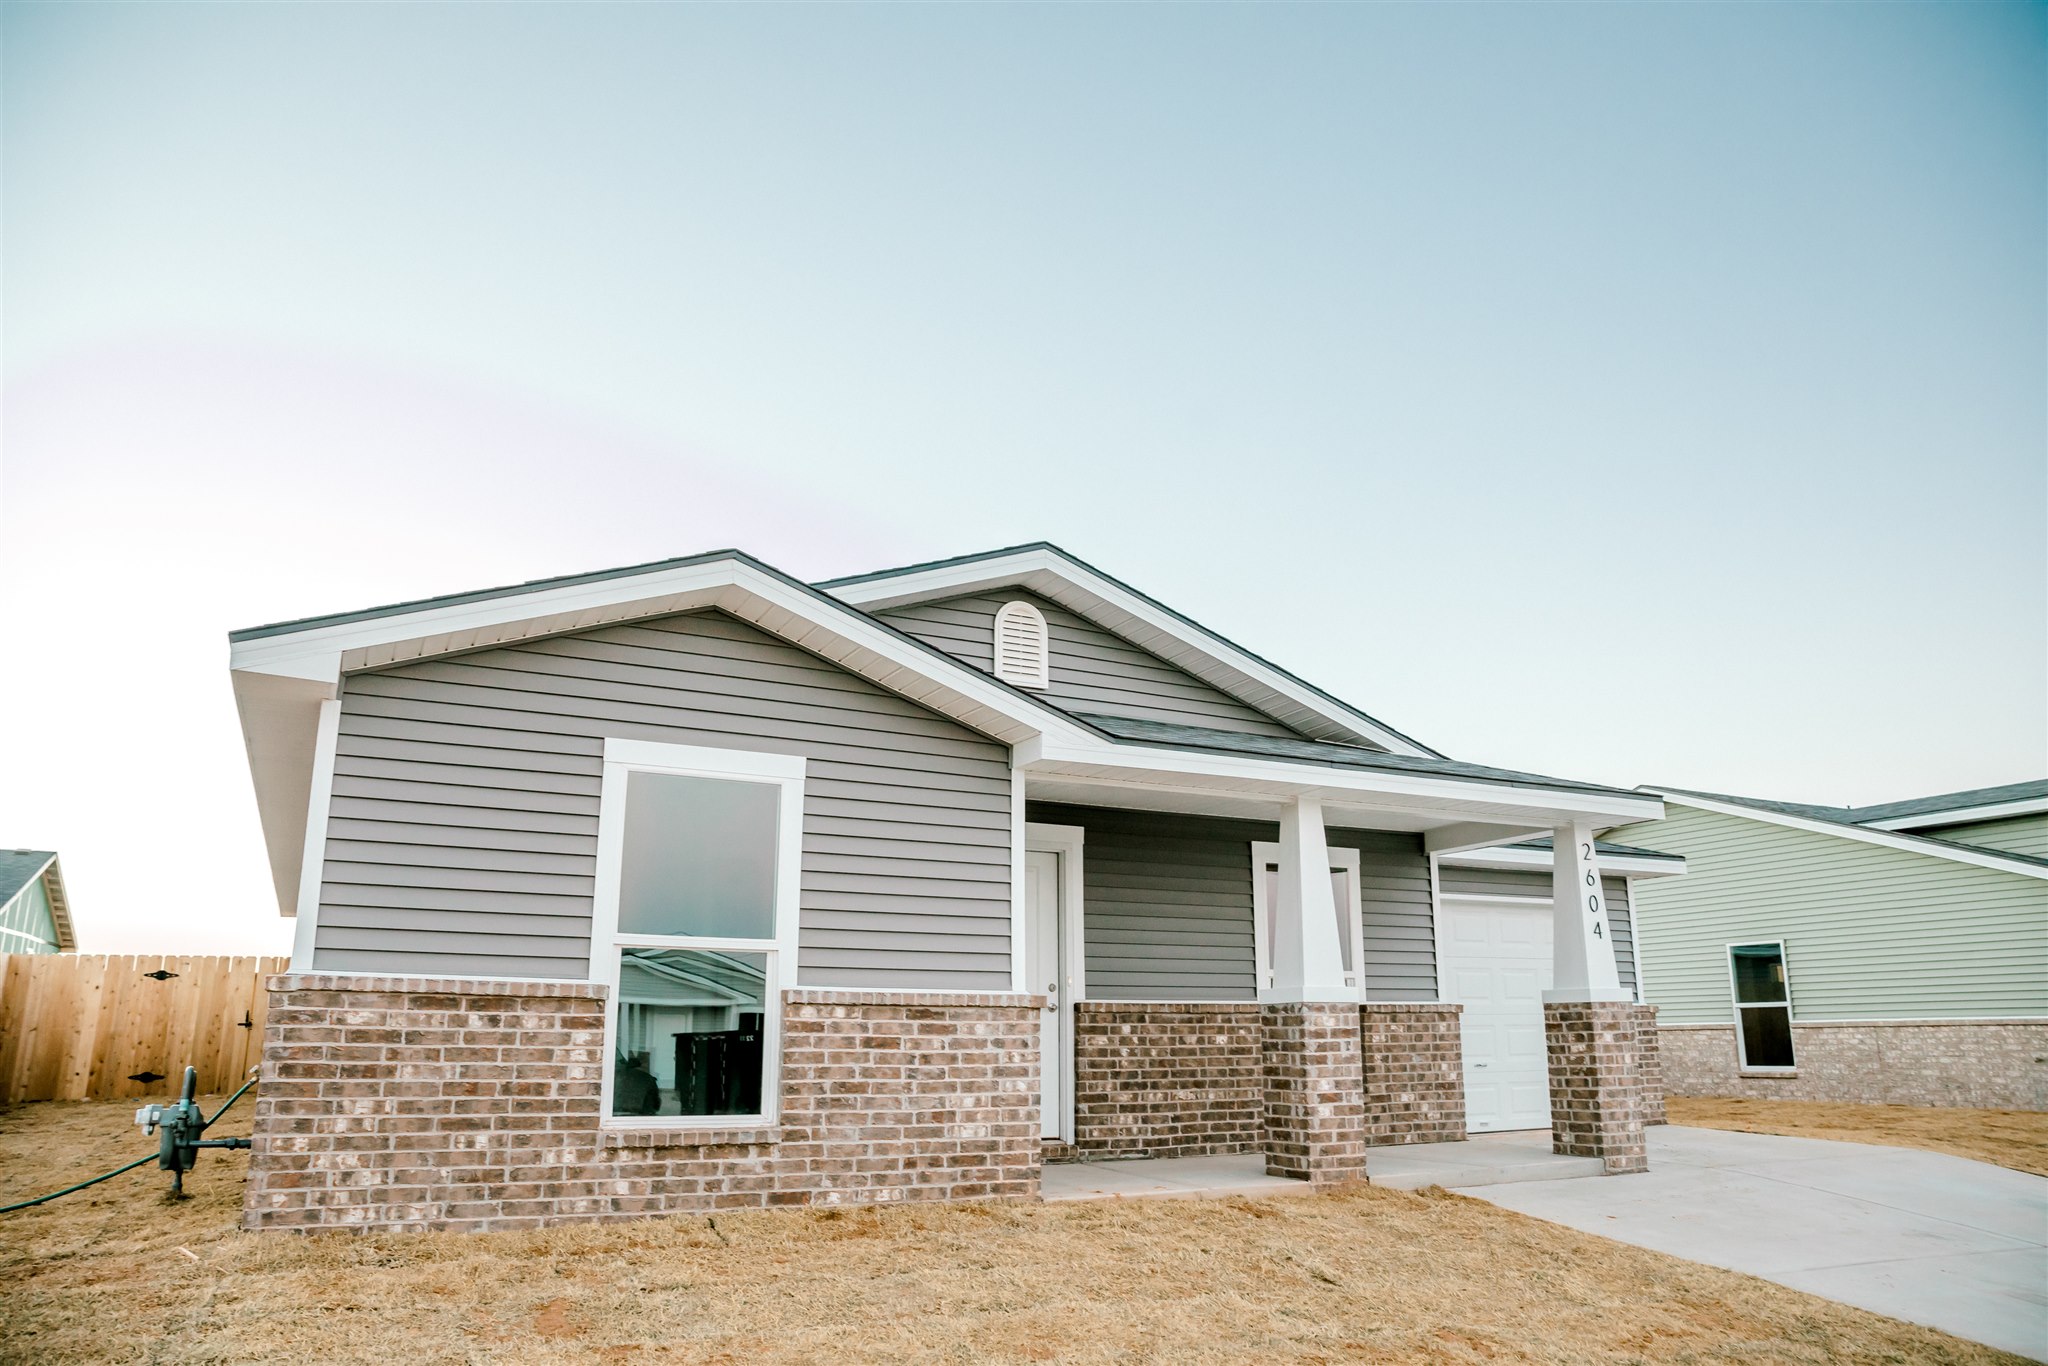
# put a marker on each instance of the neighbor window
(698, 851)
(1763, 1004)
(1344, 892)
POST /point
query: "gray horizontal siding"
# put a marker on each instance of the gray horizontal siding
(1093, 669)
(462, 834)
(1167, 912)
(1452, 880)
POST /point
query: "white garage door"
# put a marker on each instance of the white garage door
(1497, 966)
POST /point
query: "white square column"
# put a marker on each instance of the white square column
(1581, 953)
(1308, 958)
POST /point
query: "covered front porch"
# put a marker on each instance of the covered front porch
(1241, 959)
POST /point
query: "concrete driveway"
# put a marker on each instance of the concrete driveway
(1943, 1241)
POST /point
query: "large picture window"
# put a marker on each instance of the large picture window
(1344, 892)
(698, 852)
(1763, 1005)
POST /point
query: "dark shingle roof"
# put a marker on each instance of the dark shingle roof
(1604, 847)
(18, 867)
(1950, 801)
(1171, 736)
(1839, 815)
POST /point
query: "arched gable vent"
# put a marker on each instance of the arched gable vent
(1022, 646)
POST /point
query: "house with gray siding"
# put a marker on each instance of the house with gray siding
(35, 914)
(1892, 954)
(690, 885)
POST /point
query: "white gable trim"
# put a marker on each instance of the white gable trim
(1109, 604)
(1910, 844)
(1962, 815)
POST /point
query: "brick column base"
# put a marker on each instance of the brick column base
(1315, 1092)
(1595, 1083)
(1414, 1064)
(1650, 1063)
(414, 1104)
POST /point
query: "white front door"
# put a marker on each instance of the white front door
(1042, 973)
(1497, 966)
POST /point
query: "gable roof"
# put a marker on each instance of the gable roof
(1113, 604)
(287, 676)
(20, 867)
(1951, 808)
(1828, 820)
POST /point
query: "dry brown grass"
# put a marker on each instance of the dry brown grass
(115, 1274)
(2004, 1138)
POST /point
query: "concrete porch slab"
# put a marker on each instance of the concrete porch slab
(1487, 1160)
(1481, 1160)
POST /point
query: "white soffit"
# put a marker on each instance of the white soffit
(1081, 590)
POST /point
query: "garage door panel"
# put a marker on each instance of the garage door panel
(1497, 966)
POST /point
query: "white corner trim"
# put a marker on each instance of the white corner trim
(1910, 844)
(1635, 933)
(313, 862)
(1018, 847)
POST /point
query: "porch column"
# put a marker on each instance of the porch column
(1589, 1022)
(1308, 959)
(1309, 1028)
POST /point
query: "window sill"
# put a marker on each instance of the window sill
(665, 1136)
(1768, 1073)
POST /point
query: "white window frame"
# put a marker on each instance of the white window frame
(1340, 860)
(623, 758)
(1735, 997)
(1038, 678)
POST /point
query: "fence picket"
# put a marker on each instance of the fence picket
(76, 1026)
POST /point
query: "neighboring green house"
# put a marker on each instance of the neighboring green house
(34, 916)
(1888, 954)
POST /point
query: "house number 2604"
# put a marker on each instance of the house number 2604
(1592, 896)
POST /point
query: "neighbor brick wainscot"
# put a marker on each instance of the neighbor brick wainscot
(1159, 1080)
(414, 1104)
(1989, 1064)
(1596, 1102)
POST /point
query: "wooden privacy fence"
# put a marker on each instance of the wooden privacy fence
(101, 1026)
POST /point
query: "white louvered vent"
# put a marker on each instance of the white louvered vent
(1023, 646)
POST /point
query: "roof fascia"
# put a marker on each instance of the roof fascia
(1962, 815)
(1503, 803)
(1911, 844)
(1182, 641)
(1635, 865)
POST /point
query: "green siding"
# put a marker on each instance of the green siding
(30, 925)
(2014, 834)
(1870, 932)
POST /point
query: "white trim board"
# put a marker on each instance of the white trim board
(1668, 865)
(1070, 842)
(1963, 815)
(1910, 844)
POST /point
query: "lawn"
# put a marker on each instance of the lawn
(2005, 1138)
(116, 1274)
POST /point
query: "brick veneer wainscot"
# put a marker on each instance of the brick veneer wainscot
(1414, 1073)
(418, 1103)
(1157, 1080)
(1315, 1111)
(1997, 1064)
(1595, 1083)
(1649, 1066)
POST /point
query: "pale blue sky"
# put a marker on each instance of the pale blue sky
(1626, 393)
